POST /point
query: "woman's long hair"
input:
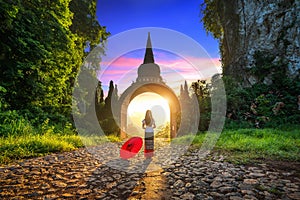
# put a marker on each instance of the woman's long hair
(148, 117)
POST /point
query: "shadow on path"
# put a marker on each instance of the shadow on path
(109, 182)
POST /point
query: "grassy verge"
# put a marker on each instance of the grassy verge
(20, 139)
(245, 145)
(32, 145)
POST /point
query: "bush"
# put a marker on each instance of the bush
(19, 138)
(262, 104)
(163, 131)
(11, 123)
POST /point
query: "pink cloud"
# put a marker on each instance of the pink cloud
(125, 62)
(174, 70)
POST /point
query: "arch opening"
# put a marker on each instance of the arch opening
(159, 89)
(160, 110)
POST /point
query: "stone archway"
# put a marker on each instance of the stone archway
(158, 88)
(148, 80)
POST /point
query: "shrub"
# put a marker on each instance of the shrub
(262, 104)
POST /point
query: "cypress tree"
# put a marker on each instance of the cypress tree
(101, 96)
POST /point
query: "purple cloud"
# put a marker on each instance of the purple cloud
(174, 69)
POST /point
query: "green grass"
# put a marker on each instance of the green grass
(31, 145)
(19, 139)
(244, 145)
(16, 147)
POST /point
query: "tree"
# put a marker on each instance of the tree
(99, 93)
(40, 55)
(85, 24)
(107, 120)
(109, 95)
(212, 18)
(184, 93)
(102, 97)
(202, 91)
(115, 96)
(99, 100)
(185, 102)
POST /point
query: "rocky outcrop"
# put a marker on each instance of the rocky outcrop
(269, 27)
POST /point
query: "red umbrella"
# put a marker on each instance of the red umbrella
(131, 147)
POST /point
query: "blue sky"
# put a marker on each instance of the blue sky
(180, 15)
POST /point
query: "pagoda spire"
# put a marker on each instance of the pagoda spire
(149, 58)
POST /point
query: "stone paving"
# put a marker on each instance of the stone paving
(78, 175)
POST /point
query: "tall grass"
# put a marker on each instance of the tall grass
(20, 139)
(261, 143)
(31, 145)
(243, 145)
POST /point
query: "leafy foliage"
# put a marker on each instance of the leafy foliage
(212, 18)
(272, 100)
(84, 22)
(43, 44)
(41, 55)
(187, 118)
(104, 109)
(265, 104)
(163, 131)
(202, 90)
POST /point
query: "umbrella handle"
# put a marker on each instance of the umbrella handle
(129, 147)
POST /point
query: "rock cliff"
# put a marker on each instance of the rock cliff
(259, 27)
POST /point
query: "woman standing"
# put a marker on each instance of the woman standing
(149, 125)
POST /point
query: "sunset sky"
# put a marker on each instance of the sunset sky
(181, 47)
(179, 15)
(174, 69)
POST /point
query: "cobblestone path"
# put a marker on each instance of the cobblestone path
(78, 175)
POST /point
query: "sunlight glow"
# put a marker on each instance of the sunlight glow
(137, 109)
